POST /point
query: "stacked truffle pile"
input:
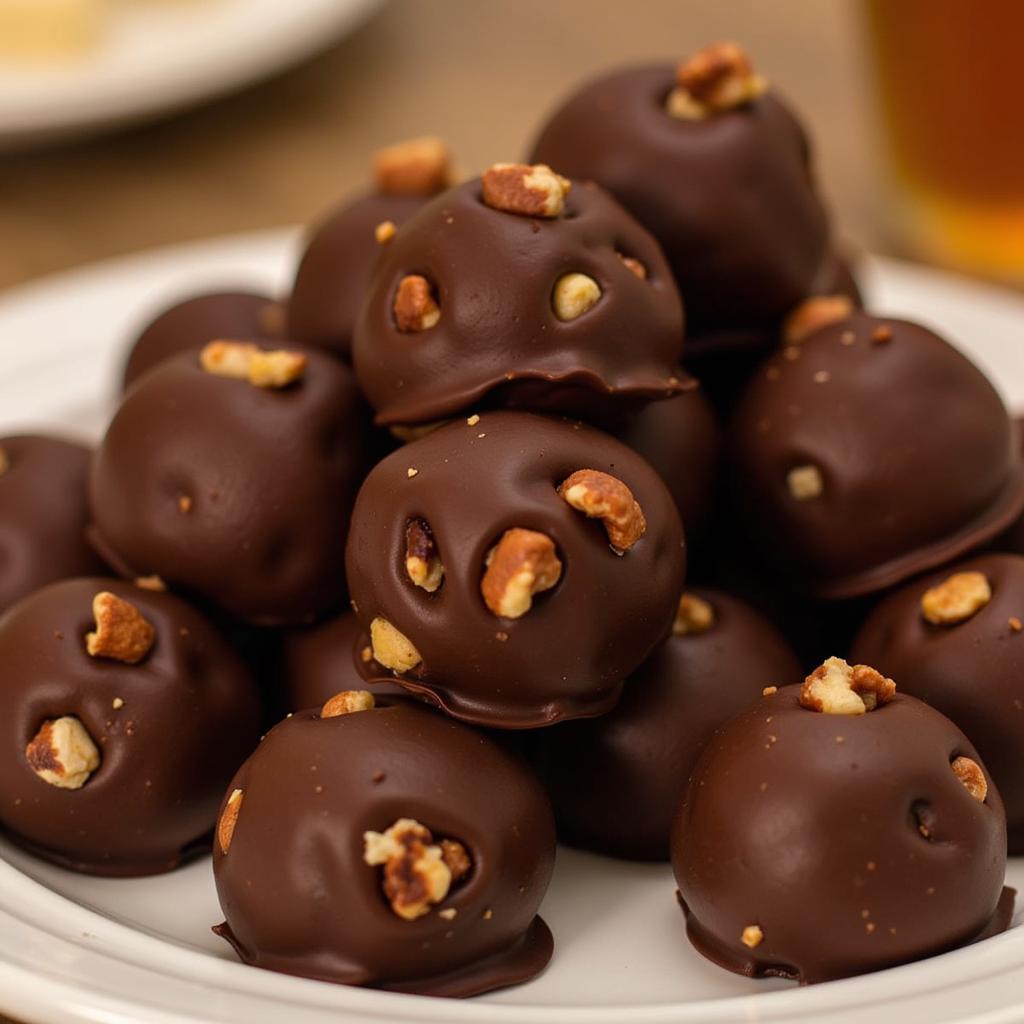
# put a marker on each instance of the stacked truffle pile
(434, 503)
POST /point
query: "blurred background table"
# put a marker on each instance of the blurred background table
(481, 74)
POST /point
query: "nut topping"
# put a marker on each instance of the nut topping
(63, 753)
(393, 649)
(956, 598)
(635, 265)
(970, 774)
(522, 564)
(242, 360)
(694, 615)
(813, 314)
(422, 561)
(574, 294)
(600, 496)
(121, 632)
(415, 167)
(533, 190)
(752, 936)
(384, 232)
(836, 688)
(153, 583)
(229, 819)
(805, 483)
(454, 854)
(415, 307)
(719, 77)
(347, 702)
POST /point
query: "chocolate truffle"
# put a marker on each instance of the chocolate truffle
(123, 714)
(955, 639)
(386, 846)
(838, 828)
(616, 781)
(515, 568)
(42, 514)
(716, 167)
(231, 475)
(525, 290)
(872, 450)
(192, 322)
(335, 269)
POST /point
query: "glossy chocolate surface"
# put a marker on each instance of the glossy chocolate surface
(171, 730)
(300, 898)
(569, 654)
(809, 827)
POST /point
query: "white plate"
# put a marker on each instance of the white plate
(159, 57)
(76, 949)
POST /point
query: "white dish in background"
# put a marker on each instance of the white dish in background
(159, 57)
(80, 949)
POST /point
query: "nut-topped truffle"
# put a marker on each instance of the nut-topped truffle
(872, 450)
(558, 557)
(519, 288)
(409, 852)
(123, 713)
(866, 839)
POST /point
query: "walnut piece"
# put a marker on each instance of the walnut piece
(242, 360)
(634, 265)
(719, 77)
(347, 702)
(523, 563)
(837, 688)
(970, 774)
(574, 294)
(422, 562)
(416, 874)
(415, 167)
(454, 854)
(694, 615)
(805, 483)
(814, 313)
(415, 307)
(600, 496)
(956, 598)
(121, 632)
(752, 936)
(63, 753)
(533, 190)
(392, 648)
(229, 819)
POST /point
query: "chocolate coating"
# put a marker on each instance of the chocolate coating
(299, 897)
(42, 515)
(972, 671)
(498, 337)
(816, 841)
(616, 781)
(191, 323)
(915, 453)
(569, 654)
(235, 493)
(334, 272)
(190, 715)
(730, 197)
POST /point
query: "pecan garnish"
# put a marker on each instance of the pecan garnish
(601, 496)
(392, 648)
(121, 632)
(422, 561)
(533, 190)
(813, 314)
(415, 307)
(63, 753)
(523, 563)
(415, 167)
(837, 688)
(242, 360)
(970, 774)
(694, 615)
(229, 819)
(347, 702)
(805, 482)
(717, 78)
(956, 598)
(574, 294)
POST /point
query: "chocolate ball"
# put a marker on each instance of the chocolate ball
(124, 714)
(192, 322)
(818, 844)
(954, 639)
(616, 781)
(846, 444)
(42, 514)
(515, 568)
(234, 492)
(387, 846)
(725, 188)
(519, 295)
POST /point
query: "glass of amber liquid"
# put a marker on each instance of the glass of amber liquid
(951, 79)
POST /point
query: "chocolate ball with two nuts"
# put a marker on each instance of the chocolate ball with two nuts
(872, 450)
(513, 568)
(519, 288)
(334, 272)
(955, 639)
(836, 828)
(378, 843)
(231, 473)
(123, 714)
